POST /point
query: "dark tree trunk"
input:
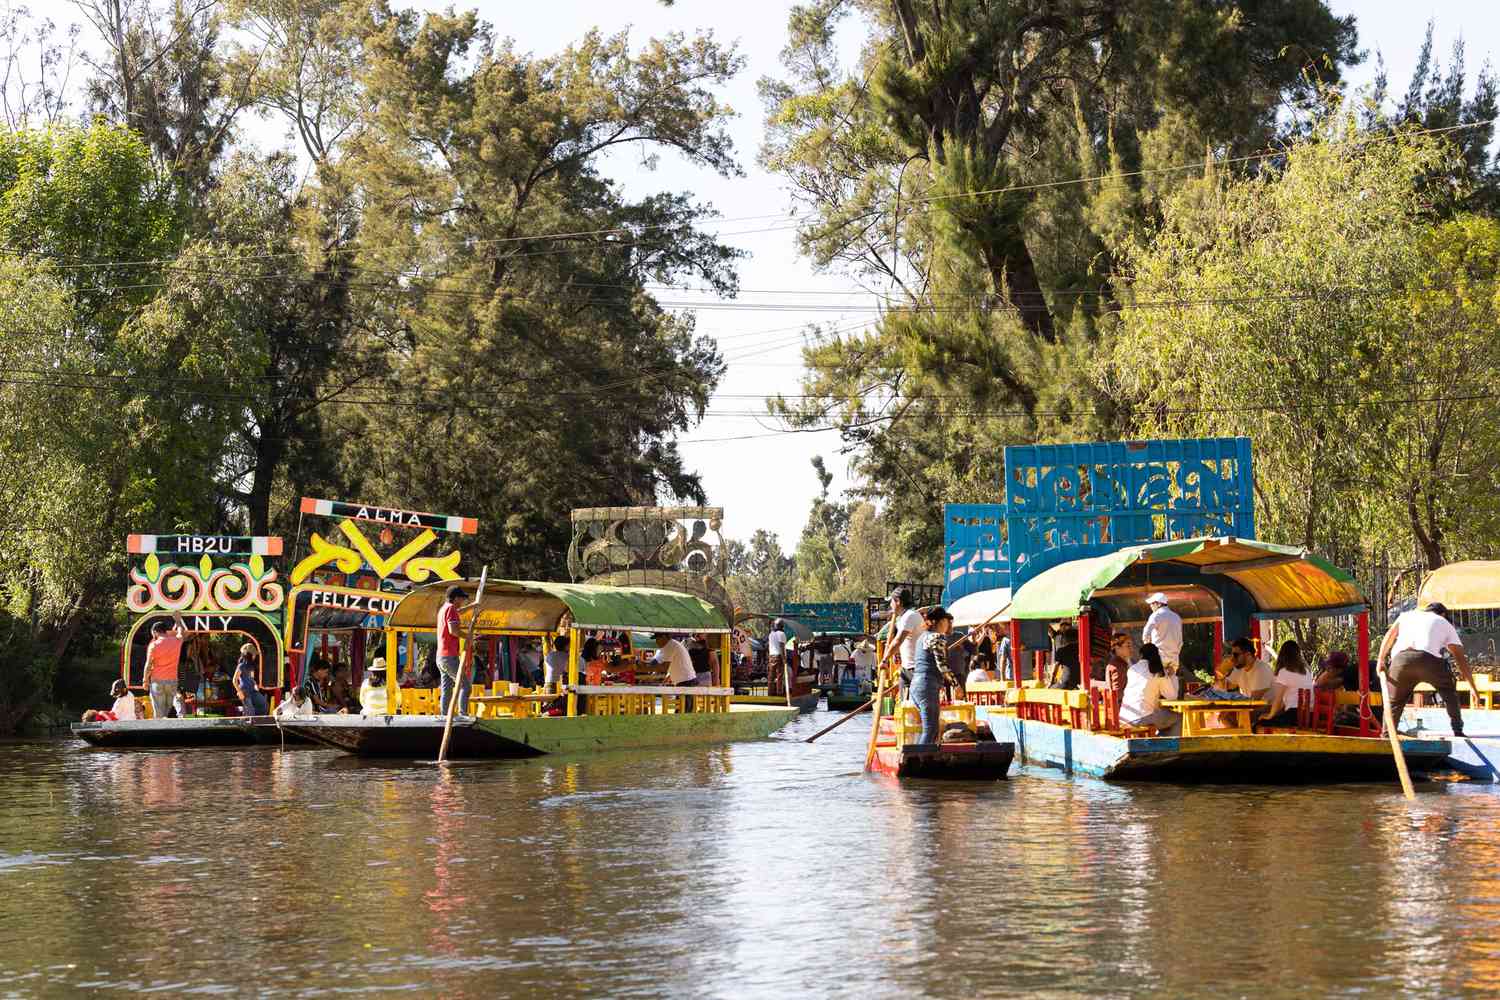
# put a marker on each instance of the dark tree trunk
(1013, 273)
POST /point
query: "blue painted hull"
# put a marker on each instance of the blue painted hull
(1477, 754)
(1260, 759)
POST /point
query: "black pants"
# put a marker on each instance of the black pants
(690, 703)
(1411, 667)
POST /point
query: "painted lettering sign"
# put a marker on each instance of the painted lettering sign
(389, 515)
(838, 617)
(204, 545)
(370, 603)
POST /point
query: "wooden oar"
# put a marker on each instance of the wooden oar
(463, 668)
(1390, 730)
(840, 722)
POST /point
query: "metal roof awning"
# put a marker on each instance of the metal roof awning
(1282, 581)
(535, 606)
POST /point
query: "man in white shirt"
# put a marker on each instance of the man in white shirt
(842, 654)
(776, 648)
(1248, 674)
(679, 663)
(1164, 631)
(864, 660)
(907, 625)
(1414, 644)
(556, 662)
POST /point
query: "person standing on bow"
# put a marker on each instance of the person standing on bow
(162, 657)
(906, 626)
(448, 662)
(1164, 631)
(1414, 644)
(928, 664)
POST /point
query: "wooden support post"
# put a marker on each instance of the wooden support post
(1367, 725)
(392, 689)
(573, 644)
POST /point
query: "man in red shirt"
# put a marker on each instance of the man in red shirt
(447, 651)
(162, 655)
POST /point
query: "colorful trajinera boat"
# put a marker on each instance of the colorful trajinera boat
(509, 723)
(791, 685)
(1471, 592)
(1235, 584)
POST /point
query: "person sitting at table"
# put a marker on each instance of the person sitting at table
(1117, 667)
(1330, 675)
(1249, 674)
(341, 689)
(1291, 678)
(680, 672)
(298, 704)
(1065, 658)
(374, 696)
(1146, 687)
(979, 672)
(318, 684)
(594, 664)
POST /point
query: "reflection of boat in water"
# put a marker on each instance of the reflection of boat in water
(1079, 730)
(597, 716)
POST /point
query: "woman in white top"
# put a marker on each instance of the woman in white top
(298, 704)
(374, 696)
(1292, 678)
(1146, 687)
(124, 706)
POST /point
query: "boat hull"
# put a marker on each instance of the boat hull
(420, 736)
(982, 761)
(803, 702)
(148, 734)
(1275, 758)
(845, 702)
(1477, 754)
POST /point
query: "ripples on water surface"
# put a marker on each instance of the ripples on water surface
(755, 869)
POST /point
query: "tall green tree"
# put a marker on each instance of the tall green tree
(762, 578)
(541, 373)
(931, 170)
(1326, 310)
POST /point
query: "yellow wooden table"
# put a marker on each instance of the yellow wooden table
(1195, 711)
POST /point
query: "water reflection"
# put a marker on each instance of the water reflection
(759, 869)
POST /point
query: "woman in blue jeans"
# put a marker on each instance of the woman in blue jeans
(927, 671)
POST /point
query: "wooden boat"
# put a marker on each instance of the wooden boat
(893, 748)
(597, 717)
(204, 731)
(1215, 579)
(848, 696)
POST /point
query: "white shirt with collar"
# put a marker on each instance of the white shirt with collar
(1164, 630)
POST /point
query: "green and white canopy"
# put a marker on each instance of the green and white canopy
(534, 606)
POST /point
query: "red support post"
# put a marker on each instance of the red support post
(1040, 666)
(1085, 671)
(1367, 723)
(1218, 642)
(1017, 652)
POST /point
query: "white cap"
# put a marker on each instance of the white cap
(1157, 598)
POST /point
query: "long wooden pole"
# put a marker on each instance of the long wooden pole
(840, 722)
(463, 668)
(1390, 730)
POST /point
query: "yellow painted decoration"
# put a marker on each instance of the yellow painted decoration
(323, 553)
(384, 567)
(153, 567)
(206, 566)
(443, 567)
(257, 564)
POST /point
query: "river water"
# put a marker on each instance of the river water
(764, 869)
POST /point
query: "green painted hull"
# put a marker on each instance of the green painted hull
(418, 737)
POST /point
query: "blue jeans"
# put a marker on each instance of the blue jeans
(254, 704)
(447, 670)
(926, 694)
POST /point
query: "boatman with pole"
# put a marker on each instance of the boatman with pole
(1414, 645)
(1164, 631)
(447, 651)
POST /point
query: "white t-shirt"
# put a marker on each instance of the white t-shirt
(912, 623)
(776, 643)
(841, 653)
(557, 666)
(679, 664)
(979, 675)
(1292, 682)
(1425, 630)
(124, 707)
(291, 709)
(1144, 692)
(1259, 677)
(1164, 629)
